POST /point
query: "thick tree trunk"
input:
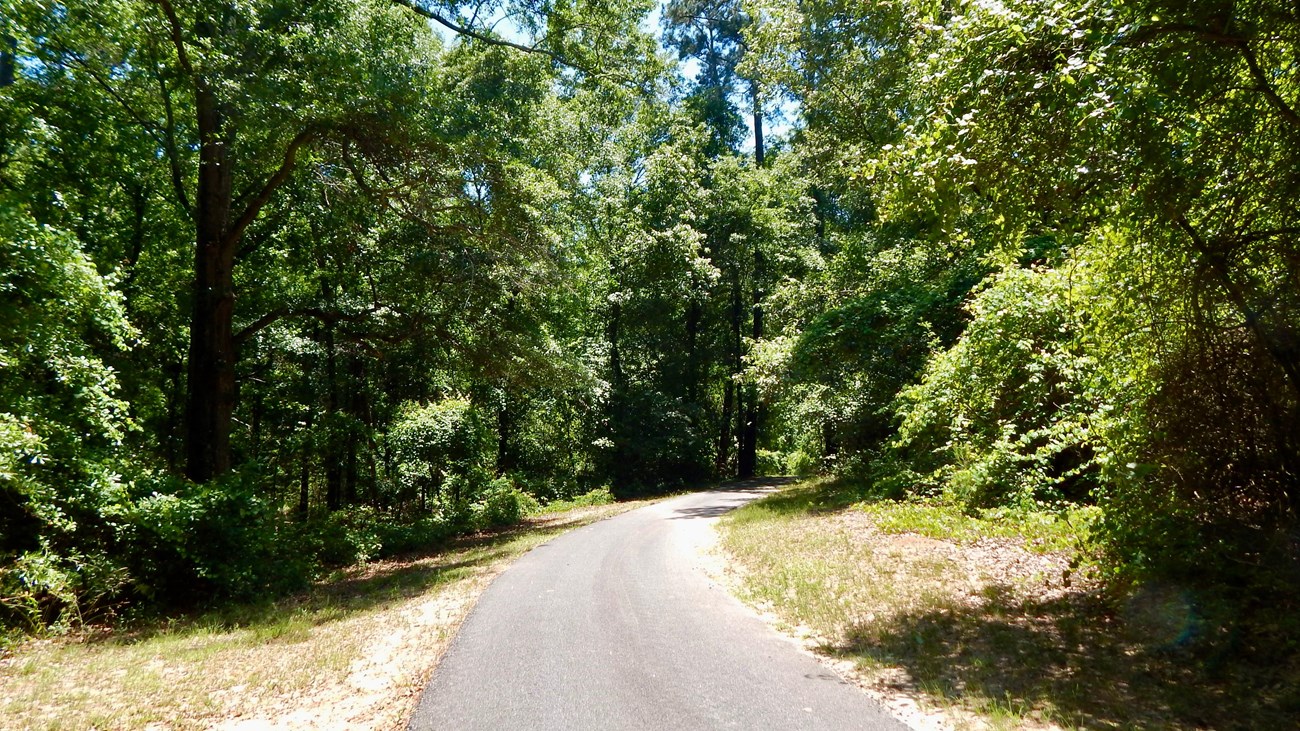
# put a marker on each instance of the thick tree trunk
(211, 382)
(720, 464)
(747, 460)
(758, 122)
(693, 316)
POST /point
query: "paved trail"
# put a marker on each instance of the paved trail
(617, 626)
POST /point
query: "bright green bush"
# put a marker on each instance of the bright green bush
(501, 503)
(61, 420)
(1002, 417)
(443, 448)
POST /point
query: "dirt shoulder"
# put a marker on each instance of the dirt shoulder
(352, 653)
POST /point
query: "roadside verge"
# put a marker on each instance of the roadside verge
(957, 621)
(351, 653)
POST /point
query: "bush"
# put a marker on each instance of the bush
(771, 463)
(502, 503)
(42, 590)
(220, 540)
(801, 463)
(1002, 417)
(395, 538)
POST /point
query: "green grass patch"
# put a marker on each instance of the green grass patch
(1044, 530)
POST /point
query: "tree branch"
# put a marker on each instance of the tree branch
(1252, 63)
(173, 158)
(1240, 42)
(326, 316)
(1282, 353)
(178, 40)
(254, 206)
(459, 29)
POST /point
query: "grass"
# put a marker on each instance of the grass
(351, 652)
(984, 618)
(1041, 531)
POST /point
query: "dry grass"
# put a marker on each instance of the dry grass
(352, 653)
(988, 627)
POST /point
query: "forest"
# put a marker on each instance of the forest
(291, 284)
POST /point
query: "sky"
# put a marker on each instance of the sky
(777, 123)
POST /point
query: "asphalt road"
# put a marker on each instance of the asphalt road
(618, 626)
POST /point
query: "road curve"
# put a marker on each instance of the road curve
(617, 626)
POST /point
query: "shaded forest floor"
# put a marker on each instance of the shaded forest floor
(960, 622)
(352, 652)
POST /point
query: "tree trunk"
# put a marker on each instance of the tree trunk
(211, 383)
(333, 454)
(753, 409)
(615, 364)
(730, 408)
(304, 476)
(615, 414)
(505, 428)
(693, 315)
(724, 436)
(830, 444)
(748, 459)
(175, 396)
(357, 415)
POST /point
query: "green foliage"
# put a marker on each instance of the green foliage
(43, 591)
(598, 496)
(502, 503)
(183, 542)
(440, 447)
(1121, 177)
(1003, 410)
(60, 414)
(1008, 255)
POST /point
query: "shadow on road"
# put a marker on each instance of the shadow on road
(755, 484)
(749, 489)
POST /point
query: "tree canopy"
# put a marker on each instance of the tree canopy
(313, 281)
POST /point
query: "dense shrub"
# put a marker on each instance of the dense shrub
(1002, 416)
(186, 543)
(501, 503)
(771, 463)
(42, 590)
